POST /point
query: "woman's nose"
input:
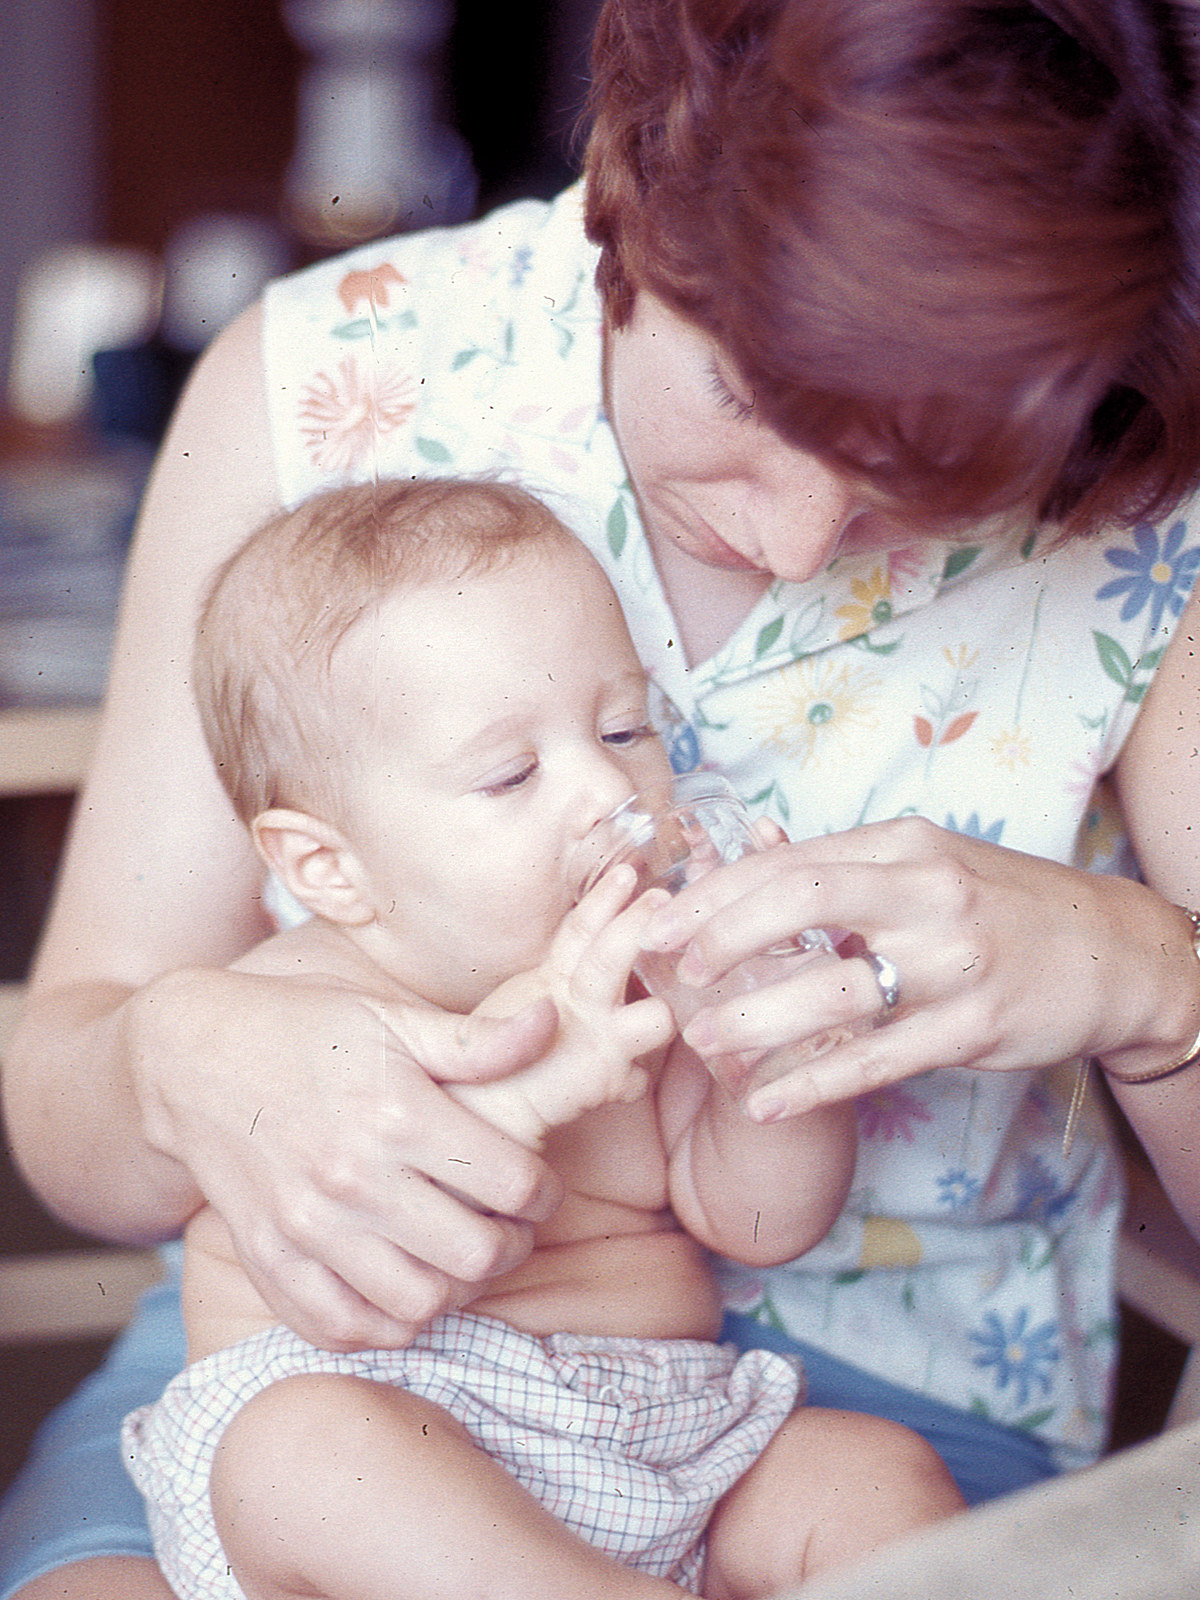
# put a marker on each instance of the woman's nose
(801, 517)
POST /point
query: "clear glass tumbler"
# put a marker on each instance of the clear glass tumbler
(672, 835)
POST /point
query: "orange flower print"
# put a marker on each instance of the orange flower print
(372, 287)
(342, 416)
(947, 716)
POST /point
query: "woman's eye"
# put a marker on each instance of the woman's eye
(510, 780)
(623, 738)
(743, 410)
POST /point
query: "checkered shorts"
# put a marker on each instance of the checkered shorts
(629, 1442)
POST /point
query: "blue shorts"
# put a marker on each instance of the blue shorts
(73, 1499)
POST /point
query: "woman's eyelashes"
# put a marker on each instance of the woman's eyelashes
(741, 410)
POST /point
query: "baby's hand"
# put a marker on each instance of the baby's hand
(601, 1038)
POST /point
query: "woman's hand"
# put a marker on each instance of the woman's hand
(311, 1117)
(1005, 960)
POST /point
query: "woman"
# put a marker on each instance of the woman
(893, 308)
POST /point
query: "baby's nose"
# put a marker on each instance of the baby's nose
(607, 786)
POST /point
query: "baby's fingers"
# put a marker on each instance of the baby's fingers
(587, 920)
(602, 972)
(644, 1025)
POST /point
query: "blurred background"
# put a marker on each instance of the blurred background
(161, 159)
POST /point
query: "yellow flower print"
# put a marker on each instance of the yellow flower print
(809, 708)
(1011, 749)
(872, 604)
(962, 658)
(1102, 829)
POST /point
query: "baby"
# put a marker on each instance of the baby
(420, 697)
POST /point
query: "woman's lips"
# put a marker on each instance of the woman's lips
(698, 539)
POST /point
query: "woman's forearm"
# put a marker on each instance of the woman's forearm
(76, 1123)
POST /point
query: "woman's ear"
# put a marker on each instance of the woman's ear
(314, 861)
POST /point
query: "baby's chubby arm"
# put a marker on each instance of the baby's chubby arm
(596, 1057)
(761, 1193)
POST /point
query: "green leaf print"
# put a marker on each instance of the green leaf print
(767, 1311)
(433, 451)
(1114, 658)
(618, 527)
(959, 560)
(863, 642)
(844, 1279)
(360, 328)
(767, 637)
(463, 357)
(1035, 1420)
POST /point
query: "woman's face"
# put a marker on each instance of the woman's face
(713, 481)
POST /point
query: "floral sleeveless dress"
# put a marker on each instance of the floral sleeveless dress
(987, 687)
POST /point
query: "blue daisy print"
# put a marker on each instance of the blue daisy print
(1039, 1195)
(1018, 1354)
(972, 828)
(958, 1189)
(1158, 576)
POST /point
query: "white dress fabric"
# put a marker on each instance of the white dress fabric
(987, 687)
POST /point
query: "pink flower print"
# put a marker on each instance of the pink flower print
(906, 563)
(342, 416)
(1086, 773)
(373, 286)
(890, 1114)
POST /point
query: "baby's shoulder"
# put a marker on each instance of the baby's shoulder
(318, 951)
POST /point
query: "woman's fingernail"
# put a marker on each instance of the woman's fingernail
(655, 898)
(691, 967)
(765, 1108)
(700, 1034)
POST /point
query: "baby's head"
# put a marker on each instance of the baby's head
(419, 695)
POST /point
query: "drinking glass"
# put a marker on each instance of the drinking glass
(672, 835)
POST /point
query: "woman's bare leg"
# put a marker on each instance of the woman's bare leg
(831, 1487)
(101, 1578)
(345, 1489)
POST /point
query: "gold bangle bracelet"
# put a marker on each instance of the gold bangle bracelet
(1190, 1057)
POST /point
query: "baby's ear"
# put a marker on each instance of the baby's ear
(314, 861)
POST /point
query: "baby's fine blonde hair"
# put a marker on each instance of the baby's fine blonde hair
(278, 608)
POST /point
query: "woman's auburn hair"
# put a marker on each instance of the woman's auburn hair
(951, 248)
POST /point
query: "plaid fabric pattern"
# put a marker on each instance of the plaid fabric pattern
(629, 1442)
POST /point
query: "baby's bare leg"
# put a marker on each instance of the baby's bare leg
(830, 1487)
(99, 1578)
(350, 1490)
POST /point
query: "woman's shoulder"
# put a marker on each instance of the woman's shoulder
(494, 255)
(459, 350)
